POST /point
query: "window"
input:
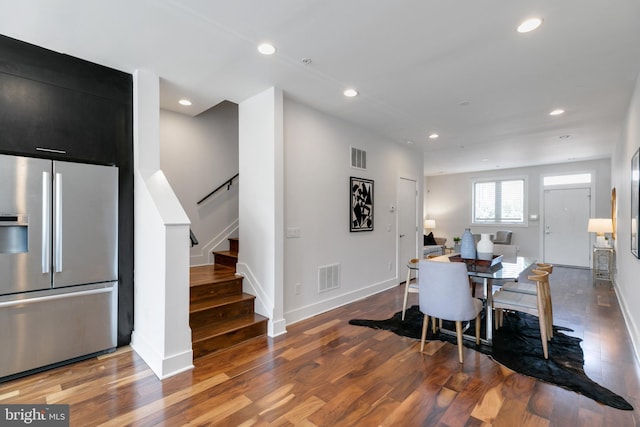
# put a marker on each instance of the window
(580, 178)
(499, 202)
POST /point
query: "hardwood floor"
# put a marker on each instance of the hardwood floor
(325, 372)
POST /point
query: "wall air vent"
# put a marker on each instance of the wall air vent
(328, 277)
(358, 158)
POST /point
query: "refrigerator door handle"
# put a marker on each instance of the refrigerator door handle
(57, 241)
(46, 222)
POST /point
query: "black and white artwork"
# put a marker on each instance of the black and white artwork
(361, 204)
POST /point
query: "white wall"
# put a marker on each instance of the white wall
(197, 154)
(627, 284)
(260, 258)
(448, 200)
(317, 171)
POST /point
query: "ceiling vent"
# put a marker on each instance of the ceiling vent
(358, 159)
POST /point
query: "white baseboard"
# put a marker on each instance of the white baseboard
(163, 367)
(320, 307)
(633, 331)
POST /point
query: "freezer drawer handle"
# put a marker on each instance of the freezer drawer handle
(46, 222)
(54, 297)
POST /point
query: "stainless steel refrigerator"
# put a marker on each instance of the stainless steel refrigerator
(58, 262)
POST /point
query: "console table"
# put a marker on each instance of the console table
(602, 268)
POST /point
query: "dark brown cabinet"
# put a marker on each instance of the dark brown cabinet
(39, 119)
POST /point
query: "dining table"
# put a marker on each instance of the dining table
(504, 270)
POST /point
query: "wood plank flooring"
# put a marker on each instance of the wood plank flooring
(325, 372)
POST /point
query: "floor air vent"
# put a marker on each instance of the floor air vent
(358, 158)
(328, 277)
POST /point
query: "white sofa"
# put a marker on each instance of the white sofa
(435, 250)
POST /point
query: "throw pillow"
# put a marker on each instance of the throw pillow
(429, 239)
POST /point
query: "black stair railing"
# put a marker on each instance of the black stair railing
(227, 184)
(193, 239)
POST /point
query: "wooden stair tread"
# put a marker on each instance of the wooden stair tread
(226, 253)
(206, 304)
(221, 315)
(225, 326)
(207, 274)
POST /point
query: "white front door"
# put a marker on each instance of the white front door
(407, 224)
(566, 215)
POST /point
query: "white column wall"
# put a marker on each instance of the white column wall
(161, 335)
(260, 207)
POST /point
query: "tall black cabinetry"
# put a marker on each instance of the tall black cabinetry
(59, 107)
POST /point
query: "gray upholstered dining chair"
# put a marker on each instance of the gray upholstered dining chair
(444, 294)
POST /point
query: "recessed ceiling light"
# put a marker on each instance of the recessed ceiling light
(409, 141)
(350, 93)
(434, 136)
(184, 102)
(529, 25)
(266, 49)
(556, 112)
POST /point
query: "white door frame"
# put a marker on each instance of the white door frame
(541, 219)
(400, 263)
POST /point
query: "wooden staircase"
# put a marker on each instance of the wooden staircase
(220, 314)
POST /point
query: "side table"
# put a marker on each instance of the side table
(602, 264)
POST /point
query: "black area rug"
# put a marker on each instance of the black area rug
(517, 346)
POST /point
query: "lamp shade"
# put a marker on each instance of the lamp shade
(430, 223)
(600, 225)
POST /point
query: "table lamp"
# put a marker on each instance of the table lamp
(429, 224)
(600, 226)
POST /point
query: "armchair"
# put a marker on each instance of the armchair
(503, 237)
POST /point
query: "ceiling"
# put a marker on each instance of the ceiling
(456, 68)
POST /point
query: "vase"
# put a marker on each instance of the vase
(485, 247)
(467, 245)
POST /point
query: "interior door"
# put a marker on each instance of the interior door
(407, 224)
(566, 215)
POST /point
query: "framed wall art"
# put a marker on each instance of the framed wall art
(635, 201)
(361, 204)
(614, 213)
